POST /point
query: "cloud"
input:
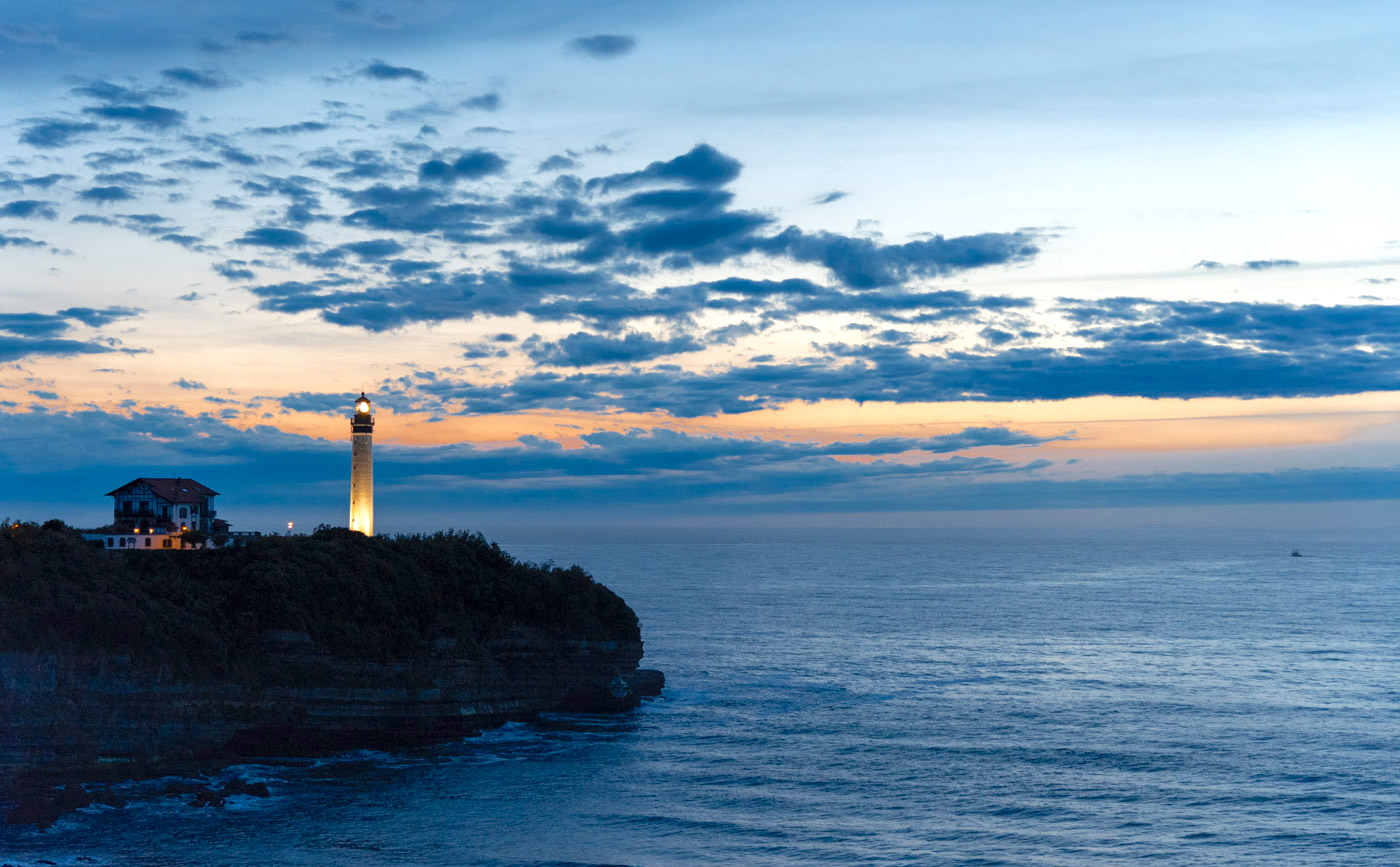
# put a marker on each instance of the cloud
(150, 117)
(290, 129)
(15, 348)
(641, 467)
(8, 240)
(1179, 350)
(702, 166)
(54, 324)
(379, 248)
(33, 324)
(584, 241)
(117, 94)
(106, 195)
(135, 179)
(192, 164)
(98, 318)
(271, 236)
(116, 157)
(42, 181)
(233, 270)
(374, 250)
(382, 71)
(362, 164)
(557, 162)
(582, 349)
(55, 132)
(603, 46)
(151, 225)
(863, 263)
(201, 79)
(238, 156)
(1251, 265)
(263, 37)
(472, 165)
(650, 472)
(593, 254)
(828, 198)
(188, 385)
(420, 112)
(484, 102)
(29, 209)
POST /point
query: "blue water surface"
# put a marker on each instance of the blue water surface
(948, 697)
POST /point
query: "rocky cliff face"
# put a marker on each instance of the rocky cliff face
(83, 709)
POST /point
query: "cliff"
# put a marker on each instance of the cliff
(292, 645)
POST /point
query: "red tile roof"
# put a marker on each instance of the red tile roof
(171, 490)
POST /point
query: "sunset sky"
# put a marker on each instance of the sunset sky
(700, 261)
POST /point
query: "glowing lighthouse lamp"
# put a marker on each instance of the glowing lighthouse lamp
(362, 468)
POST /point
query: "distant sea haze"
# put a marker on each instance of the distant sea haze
(1023, 697)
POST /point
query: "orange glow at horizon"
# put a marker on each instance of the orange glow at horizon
(1119, 424)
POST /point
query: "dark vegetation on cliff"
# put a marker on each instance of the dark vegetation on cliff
(207, 613)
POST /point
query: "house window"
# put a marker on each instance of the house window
(184, 513)
(165, 544)
(121, 543)
(148, 541)
(111, 543)
(126, 506)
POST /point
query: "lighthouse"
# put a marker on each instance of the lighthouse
(362, 468)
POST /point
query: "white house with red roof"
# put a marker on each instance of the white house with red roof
(154, 512)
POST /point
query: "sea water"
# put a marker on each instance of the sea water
(889, 697)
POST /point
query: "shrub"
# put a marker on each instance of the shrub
(204, 612)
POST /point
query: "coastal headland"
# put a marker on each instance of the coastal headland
(132, 663)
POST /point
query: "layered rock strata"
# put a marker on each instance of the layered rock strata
(70, 710)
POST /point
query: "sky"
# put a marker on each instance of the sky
(676, 262)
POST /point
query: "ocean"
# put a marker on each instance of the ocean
(939, 697)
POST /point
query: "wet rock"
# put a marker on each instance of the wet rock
(207, 798)
(108, 798)
(40, 812)
(183, 788)
(72, 797)
(241, 787)
(647, 681)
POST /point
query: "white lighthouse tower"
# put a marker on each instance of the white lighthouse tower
(362, 468)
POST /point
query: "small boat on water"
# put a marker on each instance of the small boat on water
(1296, 553)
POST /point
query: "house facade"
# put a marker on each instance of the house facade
(168, 505)
(154, 512)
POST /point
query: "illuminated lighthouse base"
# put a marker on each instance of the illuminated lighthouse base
(362, 468)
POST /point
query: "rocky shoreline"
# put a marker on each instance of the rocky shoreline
(76, 719)
(78, 724)
(141, 665)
